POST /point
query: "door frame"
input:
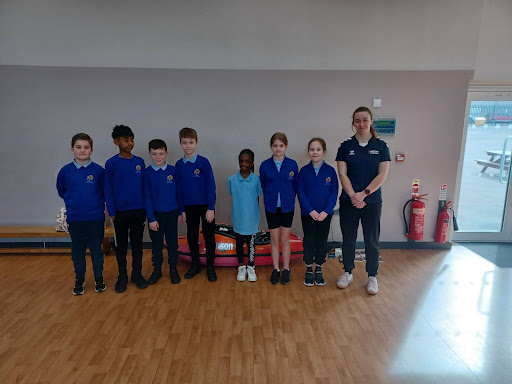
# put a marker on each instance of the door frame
(498, 92)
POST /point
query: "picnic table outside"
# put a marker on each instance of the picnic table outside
(495, 160)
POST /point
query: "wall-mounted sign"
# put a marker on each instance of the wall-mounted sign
(385, 125)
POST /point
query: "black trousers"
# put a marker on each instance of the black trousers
(315, 239)
(349, 222)
(251, 251)
(129, 222)
(168, 227)
(196, 215)
(87, 234)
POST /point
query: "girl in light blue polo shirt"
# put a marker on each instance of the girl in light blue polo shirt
(245, 187)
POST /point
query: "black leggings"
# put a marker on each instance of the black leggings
(315, 239)
(249, 240)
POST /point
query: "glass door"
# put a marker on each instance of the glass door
(484, 201)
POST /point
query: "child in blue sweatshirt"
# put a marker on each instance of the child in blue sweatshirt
(196, 196)
(80, 184)
(317, 192)
(125, 205)
(162, 210)
(278, 176)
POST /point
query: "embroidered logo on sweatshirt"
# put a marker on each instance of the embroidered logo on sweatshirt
(290, 175)
(327, 181)
(137, 168)
(169, 179)
(197, 171)
(90, 179)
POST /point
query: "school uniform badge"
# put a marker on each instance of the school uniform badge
(290, 175)
(197, 171)
(327, 179)
(169, 178)
(90, 179)
(137, 168)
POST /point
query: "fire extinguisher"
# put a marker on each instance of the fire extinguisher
(443, 223)
(414, 231)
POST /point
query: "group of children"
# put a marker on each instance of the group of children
(164, 194)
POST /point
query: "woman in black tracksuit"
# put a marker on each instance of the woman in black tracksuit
(363, 164)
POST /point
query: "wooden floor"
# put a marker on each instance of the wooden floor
(440, 317)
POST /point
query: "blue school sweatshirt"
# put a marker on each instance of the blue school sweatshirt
(283, 182)
(81, 187)
(196, 184)
(160, 190)
(123, 184)
(317, 192)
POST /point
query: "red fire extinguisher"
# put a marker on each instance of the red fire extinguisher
(414, 231)
(443, 223)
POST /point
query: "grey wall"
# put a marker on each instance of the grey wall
(42, 107)
(264, 34)
(242, 34)
(494, 53)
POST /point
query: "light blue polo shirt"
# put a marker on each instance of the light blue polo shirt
(245, 212)
(156, 167)
(78, 166)
(192, 160)
(278, 166)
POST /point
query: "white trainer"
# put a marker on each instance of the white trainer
(372, 287)
(242, 272)
(251, 274)
(344, 280)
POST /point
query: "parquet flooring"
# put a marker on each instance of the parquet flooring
(232, 332)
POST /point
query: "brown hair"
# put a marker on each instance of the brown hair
(320, 140)
(188, 133)
(81, 136)
(279, 136)
(157, 144)
(366, 109)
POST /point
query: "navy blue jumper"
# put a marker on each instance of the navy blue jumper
(283, 182)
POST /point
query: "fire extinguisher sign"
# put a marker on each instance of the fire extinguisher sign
(442, 198)
(415, 187)
(442, 192)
